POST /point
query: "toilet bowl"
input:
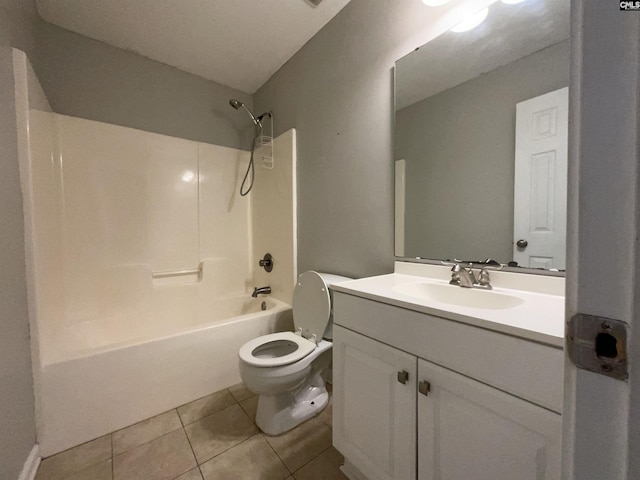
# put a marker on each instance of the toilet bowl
(285, 369)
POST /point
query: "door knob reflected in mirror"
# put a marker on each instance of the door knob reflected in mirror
(522, 243)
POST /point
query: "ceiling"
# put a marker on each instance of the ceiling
(237, 43)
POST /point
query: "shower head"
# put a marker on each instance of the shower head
(237, 104)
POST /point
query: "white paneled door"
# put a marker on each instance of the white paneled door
(540, 197)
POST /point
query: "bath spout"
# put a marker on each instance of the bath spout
(261, 291)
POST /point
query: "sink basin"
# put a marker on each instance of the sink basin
(459, 296)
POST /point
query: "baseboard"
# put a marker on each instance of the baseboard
(31, 465)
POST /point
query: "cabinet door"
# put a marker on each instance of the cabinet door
(467, 429)
(374, 414)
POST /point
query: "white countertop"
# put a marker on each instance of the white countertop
(539, 318)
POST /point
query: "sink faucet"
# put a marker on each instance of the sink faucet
(261, 291)
(462, 275)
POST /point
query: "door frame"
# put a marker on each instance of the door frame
(601, 416)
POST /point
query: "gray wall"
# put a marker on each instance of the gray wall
(17, 422)
(18, 24)
(89, 79)
(338, 92)
(459, 146)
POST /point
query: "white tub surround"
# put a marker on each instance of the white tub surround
(141, 254)
(273, 214)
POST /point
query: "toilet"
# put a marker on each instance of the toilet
(285, 369)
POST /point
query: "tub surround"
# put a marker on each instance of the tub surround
(140, 256)
(274, 216)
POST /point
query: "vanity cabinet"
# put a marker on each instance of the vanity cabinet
(374, 406)
(468, 430)
(410, 402)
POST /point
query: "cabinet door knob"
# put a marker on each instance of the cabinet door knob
(424, 388)
(403, 376)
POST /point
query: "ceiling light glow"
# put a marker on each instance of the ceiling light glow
(471, 21)
(512, 2)
(434, 3)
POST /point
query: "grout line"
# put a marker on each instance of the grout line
(193, 452)
(212, 413)
(274, 451)
(180, 416)
(226, 450)
(312, 459)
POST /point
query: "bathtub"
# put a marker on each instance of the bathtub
(103, 374)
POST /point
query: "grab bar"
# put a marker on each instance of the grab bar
(176, 273)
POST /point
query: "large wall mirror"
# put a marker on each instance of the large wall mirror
(481, 140)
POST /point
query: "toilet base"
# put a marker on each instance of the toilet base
(280, 413)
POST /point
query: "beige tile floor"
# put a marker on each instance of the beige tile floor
(212, 438)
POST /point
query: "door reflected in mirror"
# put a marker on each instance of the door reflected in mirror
(481, 140)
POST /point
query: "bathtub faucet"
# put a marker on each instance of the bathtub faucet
(261, 291)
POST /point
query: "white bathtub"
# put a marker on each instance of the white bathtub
(105, 374)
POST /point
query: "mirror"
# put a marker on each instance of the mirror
(481, 140)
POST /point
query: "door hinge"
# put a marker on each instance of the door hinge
(598, 344)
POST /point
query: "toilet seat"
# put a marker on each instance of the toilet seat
(311, 305)
(303, 347)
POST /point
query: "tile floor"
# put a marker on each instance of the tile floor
(212, 438)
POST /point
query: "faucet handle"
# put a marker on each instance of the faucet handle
(455, 275)
(484, 281)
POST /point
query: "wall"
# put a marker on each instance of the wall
(89, 79)
(459, 146)
(17, 424)
(86, 78)
(18, 24)
(337, 91)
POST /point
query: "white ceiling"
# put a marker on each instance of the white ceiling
(237, 43)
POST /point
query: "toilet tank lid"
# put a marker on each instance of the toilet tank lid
(312, 303)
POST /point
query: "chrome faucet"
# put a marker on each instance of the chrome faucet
(261, 291)
(462, 274)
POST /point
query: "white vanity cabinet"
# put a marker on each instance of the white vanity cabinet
(374, 406)
(474, 404)
(468, 430)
